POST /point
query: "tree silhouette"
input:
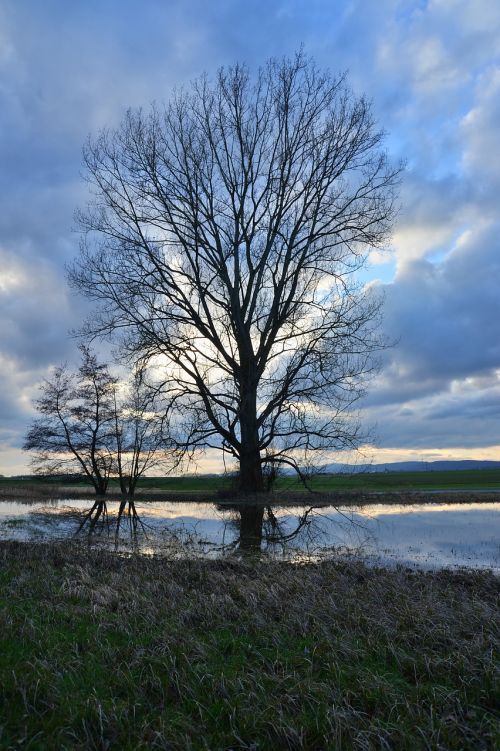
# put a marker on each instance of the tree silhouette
(224, 239)
(74, 434)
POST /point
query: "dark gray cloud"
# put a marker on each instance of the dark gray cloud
(433, 72)
(440, 385)
(465, 416)
(67, 70)
(446, 314)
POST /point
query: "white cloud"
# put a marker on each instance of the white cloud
(480, 16)
(480, 129)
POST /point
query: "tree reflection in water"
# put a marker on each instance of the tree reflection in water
(257, 526)
(97, 520)
(253, 528)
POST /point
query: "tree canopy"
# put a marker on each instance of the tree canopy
(224, 237)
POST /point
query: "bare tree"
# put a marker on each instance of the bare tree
(141, 433)
(225, 236)
(73, 434)
(96, 426)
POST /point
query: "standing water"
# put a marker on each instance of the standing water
(430, 535)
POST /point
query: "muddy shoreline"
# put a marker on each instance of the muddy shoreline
(32, 493)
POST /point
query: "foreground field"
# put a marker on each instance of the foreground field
(102, 652)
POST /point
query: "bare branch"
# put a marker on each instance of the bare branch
(225, 235)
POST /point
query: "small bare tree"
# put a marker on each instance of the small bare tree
(141, 433)
(225, 236)
(95, 426)
(74, 433)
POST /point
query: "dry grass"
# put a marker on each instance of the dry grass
(103, 652)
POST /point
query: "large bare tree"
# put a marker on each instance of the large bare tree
(225, 236)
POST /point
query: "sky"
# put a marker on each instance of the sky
(432, 72)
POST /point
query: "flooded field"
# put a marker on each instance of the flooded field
(430, 535)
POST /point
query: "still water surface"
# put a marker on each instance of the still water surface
(426, 535)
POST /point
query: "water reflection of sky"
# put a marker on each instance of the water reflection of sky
(424, 535)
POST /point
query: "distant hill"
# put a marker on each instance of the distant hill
(438, 466)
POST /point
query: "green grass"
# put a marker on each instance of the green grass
(477, 479)
(488, 479)
(439, 480)
(102, 652)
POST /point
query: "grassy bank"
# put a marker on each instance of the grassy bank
(455, 486)
(101, 652)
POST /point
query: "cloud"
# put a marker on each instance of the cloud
(440, 385)
(444, 316)
(432, 71)
(67, 70)
(480, 127)
(441, 382)
(36, 310)
(433, 212)
(440, 46)
(442, 420)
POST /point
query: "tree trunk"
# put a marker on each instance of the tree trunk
(101, 487)
(98, 485)
(123, 484)
(251, 479)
